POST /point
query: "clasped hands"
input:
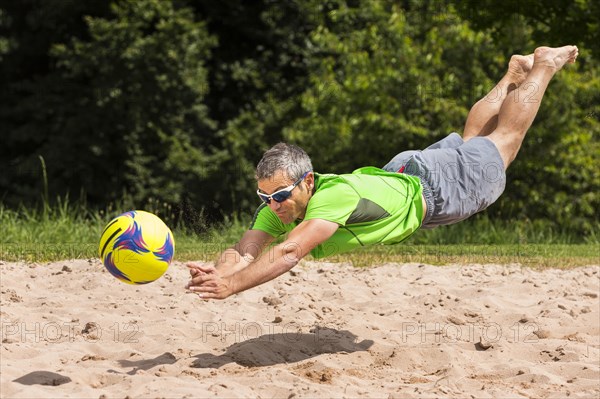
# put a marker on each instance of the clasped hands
(210, 282)
(207, 281)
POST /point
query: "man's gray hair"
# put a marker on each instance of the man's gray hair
(289, 158)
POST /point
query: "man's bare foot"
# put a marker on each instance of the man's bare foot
(555, 57)
(519, 66)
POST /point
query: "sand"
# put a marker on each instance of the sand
(69, 329)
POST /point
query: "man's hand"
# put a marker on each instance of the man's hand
(207, 282)
(195, 268)
(248, 271)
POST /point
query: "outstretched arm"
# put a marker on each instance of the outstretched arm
(233, 259)
(212, 284)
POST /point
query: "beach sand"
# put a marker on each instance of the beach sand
(69, 329)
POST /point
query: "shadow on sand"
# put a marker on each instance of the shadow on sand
(147, 364)
(43, 378)
(271, 349)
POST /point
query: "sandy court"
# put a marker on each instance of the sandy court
(69, 329)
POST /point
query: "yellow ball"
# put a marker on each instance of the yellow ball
(136, 247)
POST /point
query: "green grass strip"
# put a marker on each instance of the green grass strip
(66, 231)
(189, 248)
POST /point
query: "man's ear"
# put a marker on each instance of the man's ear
(310, 180)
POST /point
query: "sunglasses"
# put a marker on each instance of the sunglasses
(280, 195)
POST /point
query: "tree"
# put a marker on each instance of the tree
(553, 23)
(28, 29)
(120, 111)
(178, 99)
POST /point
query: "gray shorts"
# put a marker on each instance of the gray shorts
(459, 178)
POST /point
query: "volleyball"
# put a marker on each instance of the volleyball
(136, 247)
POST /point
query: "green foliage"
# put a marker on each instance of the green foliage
(148, 89)
(553, 23)
(373, 91)
(120, 110)
(174, 101)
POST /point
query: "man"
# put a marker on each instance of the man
(443, 184)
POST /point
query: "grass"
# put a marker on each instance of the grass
(531, 255)
(68, 231)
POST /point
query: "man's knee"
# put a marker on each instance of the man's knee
(506, 146)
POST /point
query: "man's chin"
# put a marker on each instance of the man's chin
(285, 219)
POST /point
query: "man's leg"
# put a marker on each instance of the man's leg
(483, 116)
(515, 117)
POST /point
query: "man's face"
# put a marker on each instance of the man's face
(295, 206)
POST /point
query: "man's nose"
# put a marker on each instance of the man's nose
(274, 205)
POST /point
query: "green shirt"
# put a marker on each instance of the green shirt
(370, 205)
